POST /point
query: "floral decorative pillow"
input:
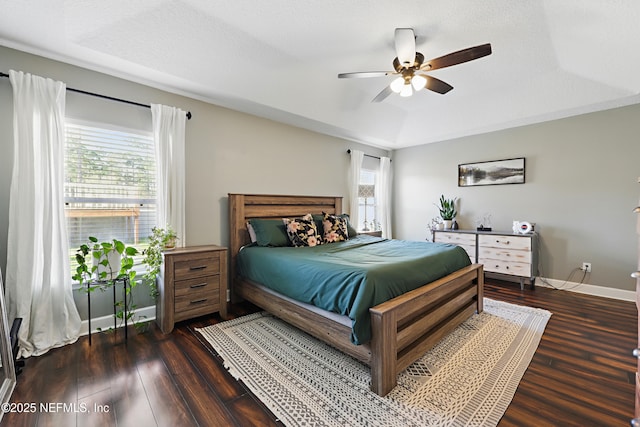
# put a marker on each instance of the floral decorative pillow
(302, 231)
(335, 228)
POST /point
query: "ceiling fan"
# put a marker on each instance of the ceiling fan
(410, 67)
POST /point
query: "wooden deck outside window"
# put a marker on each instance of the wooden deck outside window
(106, 213)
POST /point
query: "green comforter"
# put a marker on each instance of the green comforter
(350, 277)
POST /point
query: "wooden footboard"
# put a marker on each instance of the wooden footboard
(403, 329)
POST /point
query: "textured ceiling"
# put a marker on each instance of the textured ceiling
(280, 58)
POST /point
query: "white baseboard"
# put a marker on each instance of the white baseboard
(583, 288)
(106, 322)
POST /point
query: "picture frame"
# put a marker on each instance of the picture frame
(494, 172)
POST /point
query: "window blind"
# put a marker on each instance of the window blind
(110, 188)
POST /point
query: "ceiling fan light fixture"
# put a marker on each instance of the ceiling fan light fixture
(406, 90)
(397, 85)
(418, 82)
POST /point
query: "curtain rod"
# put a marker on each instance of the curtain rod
(111, 98)
(366, 155)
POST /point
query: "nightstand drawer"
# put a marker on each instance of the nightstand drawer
(205, 284)
(505, 242)
(196, 304)
(197, 267)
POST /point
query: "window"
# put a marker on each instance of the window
(367, 201)
(110, 188)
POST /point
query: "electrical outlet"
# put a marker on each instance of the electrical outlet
(586, 266)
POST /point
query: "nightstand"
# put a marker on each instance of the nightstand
(371, 233)
(192, 283)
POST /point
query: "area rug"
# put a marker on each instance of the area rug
(468, 379)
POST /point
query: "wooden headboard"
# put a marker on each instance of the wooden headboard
(243, 207)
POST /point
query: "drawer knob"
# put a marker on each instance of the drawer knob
(636, 274)
(200, 267)
(199, 301)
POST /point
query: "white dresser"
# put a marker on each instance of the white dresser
(464, 239)
(504, 255)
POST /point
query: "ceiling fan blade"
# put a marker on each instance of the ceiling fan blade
(383, 94)
(437, 85)
(364, 74)
(405, 46)
(458, 57)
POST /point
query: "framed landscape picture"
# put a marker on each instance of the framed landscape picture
(508, 171)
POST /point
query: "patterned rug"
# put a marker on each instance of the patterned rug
(468, 379)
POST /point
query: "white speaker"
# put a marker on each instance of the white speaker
(523, 227)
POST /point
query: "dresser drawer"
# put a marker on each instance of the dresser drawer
(504, 242)
(506, 267)
(504, 255)
(193, 267)
(462, 239)
(471, 251)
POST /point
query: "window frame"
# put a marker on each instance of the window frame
(139, 238)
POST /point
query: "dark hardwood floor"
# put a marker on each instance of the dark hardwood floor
(581, 375)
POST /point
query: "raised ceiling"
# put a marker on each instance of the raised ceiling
(279, 59)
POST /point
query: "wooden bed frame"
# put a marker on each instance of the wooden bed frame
(403, 329)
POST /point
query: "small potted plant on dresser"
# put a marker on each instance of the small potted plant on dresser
(447, 211)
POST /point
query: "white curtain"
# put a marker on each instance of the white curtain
(168, 133)
(354, 182)
(38, 282)
(383, 196)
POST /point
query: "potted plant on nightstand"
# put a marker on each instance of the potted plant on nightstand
(447, 211)
(161, 239)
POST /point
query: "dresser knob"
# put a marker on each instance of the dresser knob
(636, 274)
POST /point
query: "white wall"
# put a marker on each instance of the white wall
(581, 185)
(226, 151)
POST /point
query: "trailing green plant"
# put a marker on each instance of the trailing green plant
(160, 239)
(87, 270)
(91, 277)
(447, 208)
